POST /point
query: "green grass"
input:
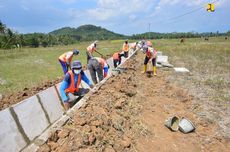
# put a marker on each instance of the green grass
(208, 61)
(28, 67)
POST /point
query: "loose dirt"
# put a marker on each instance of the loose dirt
(13, 98)
(128, 114)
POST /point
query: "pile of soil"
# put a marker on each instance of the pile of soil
(128, 114)
(25, 93)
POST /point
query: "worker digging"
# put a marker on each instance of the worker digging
(96, 68)
(151, 55)
(66, 58)
(71, 83)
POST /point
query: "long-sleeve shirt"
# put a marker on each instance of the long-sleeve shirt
(151, 52)
(67, 81)
(66, 57)
(91, 48)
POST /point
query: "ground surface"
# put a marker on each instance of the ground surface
(14, 98)
(31, 67)
(128, 114)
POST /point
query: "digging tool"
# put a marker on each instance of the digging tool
(99, 53)
(102, 56)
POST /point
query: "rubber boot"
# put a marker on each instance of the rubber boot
(145, 68)
(154, 70)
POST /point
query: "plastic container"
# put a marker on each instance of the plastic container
(172, 123)
(186, 125)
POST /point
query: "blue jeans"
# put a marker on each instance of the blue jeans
(64, 67)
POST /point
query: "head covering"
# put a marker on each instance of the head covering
(76, 65)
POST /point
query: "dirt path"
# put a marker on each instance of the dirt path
(128, 114)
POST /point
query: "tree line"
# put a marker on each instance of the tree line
(10, 39)
(155, 35)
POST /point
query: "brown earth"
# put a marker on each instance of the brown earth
(128, 114)
(14, 98)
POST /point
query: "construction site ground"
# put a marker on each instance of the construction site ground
(128, 113)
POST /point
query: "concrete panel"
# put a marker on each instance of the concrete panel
(83, 84)
(51, 103)
(10, 137)
(183, 70)
(58, 87)
(110, 62)
(31, 116)
(162, 59)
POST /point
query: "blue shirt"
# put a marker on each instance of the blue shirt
(67, 81)
(106, 69)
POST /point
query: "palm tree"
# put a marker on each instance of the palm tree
(2, 28)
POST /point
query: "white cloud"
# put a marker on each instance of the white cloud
(101, 13)
(107, 9)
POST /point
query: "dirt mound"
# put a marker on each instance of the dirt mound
(128, 114)
(25, 93)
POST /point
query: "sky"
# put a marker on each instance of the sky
(120, 16)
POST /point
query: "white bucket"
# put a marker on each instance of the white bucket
(186, 125)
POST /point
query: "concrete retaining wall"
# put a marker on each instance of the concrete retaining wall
(10, 137)
(31, 117)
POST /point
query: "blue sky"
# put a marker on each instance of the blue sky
(121, 16)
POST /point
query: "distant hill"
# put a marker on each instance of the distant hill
(88, 32)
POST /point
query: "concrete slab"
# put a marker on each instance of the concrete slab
(51, 103)
(83, 84)
(181, 69)
(159, 53)
(162, 59)
(165, 64)
(10, 137)
(110, 62)
(31, 117)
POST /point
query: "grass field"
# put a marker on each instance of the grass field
(28, 67)
(208, 61)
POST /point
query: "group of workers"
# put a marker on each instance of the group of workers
(97, 66)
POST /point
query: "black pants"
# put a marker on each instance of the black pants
(95, 70)
(126, 54)
(116, 62)
(147, 60)
(89, 56)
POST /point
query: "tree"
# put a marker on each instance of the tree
(2, 28)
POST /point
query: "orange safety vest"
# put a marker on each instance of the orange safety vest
(64, 59)
(149, 54)
(72, 87)
(91, 48)
(116, 56)
(101, 61)
(125, 47)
